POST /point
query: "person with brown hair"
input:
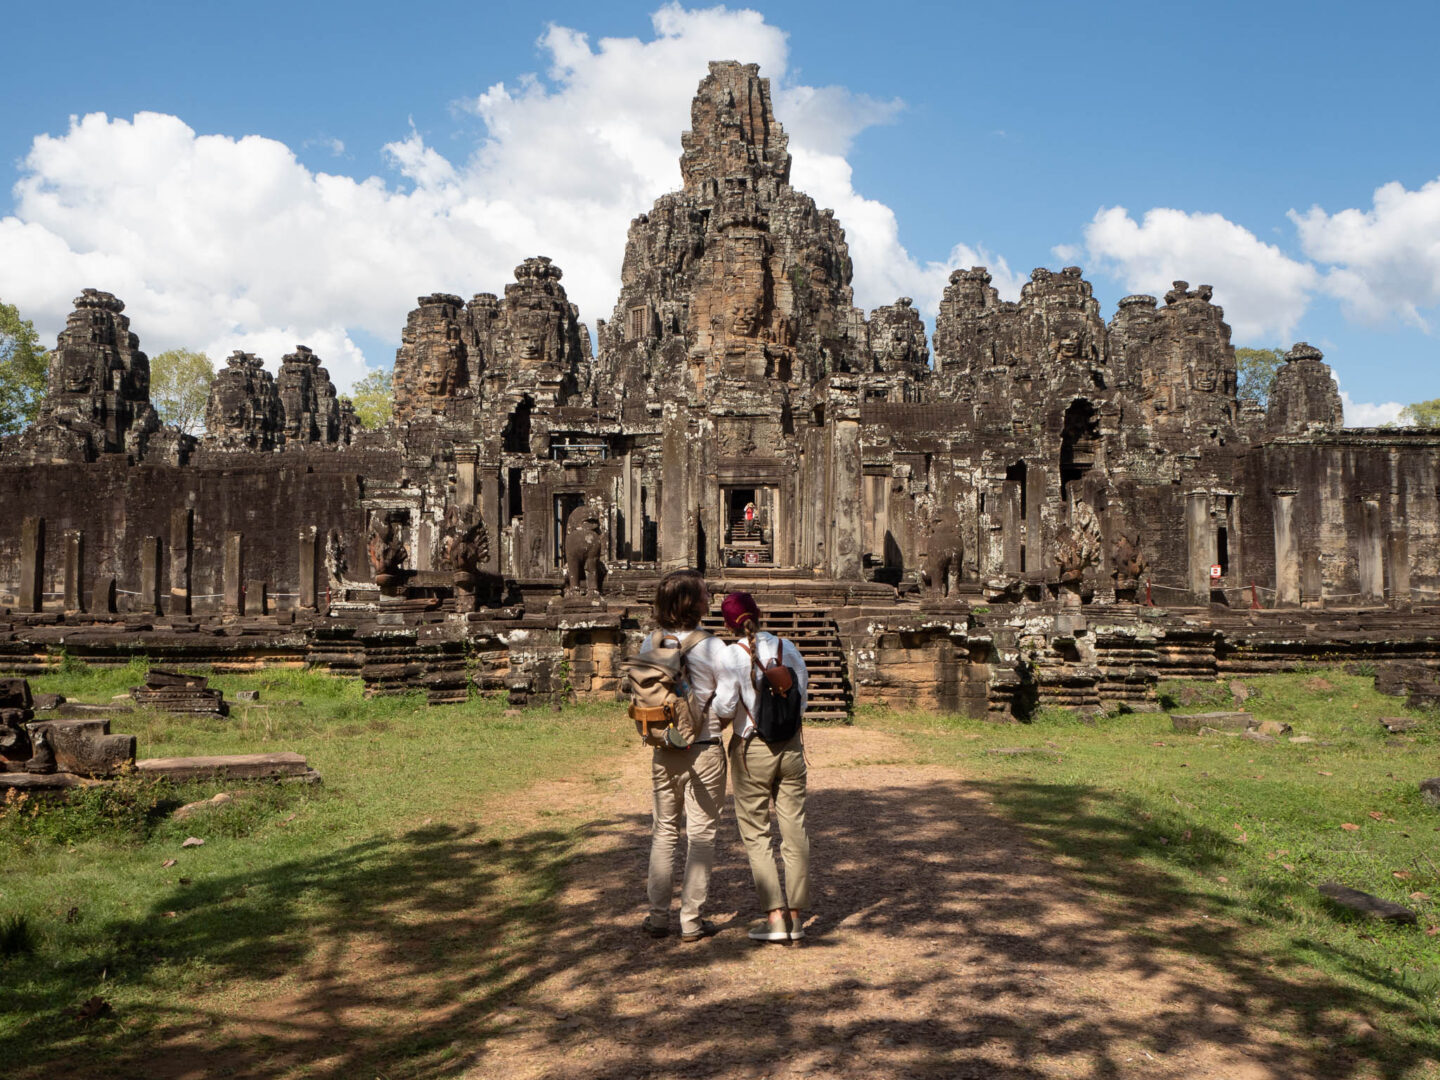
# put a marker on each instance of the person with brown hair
(766, 770)
(688, 781)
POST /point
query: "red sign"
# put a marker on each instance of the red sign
(1215, 572)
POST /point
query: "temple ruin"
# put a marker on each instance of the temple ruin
(1030, 505)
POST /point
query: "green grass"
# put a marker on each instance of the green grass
(408, 840)
(1236, 834)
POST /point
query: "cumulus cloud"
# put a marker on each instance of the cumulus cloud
(1263, 290)
(1369, 414)
(227, 242)
(1386, 260)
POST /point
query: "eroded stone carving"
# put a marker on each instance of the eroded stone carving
(244, 407)
(584, 544)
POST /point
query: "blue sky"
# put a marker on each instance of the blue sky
(266, 174)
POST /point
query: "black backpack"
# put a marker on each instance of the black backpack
(777, 698)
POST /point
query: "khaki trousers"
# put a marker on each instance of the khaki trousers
(689, 784)
(773, 772)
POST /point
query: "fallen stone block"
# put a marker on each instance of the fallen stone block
(1210, 731)
(1364, 903)
(229, 766)
(247, 695)
(1274, 727)
(86, 747)
(44, 782)
(1231, 721)
(191, 809)
(1430, 791)
(15, 694)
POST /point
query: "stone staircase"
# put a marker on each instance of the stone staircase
(818, 639)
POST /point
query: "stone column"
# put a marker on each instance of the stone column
(466, 458)
(256, 601)
(1371, 556)
(308, 551)
(1399, 567)
(1010, 522)
(677, 532)
(74, 570)
(1287, 559)
(234, 572)
(1035, 561)
(32, 564)
(1312, 580)
(150, 577)
(493, 515)
(845, 548)
(182, 550)
(1200, 540)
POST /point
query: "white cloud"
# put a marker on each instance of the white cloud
(1367, 413)
(1263, 290)
(228, 242)
(1386, 260)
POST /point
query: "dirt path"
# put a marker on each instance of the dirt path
(943, 945)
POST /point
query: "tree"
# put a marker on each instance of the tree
(24, 364)
(180, 386)
(373, 398)
(1422, 414)
(1255, 371)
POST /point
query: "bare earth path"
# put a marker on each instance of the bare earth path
(943, 945)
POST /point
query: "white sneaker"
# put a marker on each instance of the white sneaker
(765, 930)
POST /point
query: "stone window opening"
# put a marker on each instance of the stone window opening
(517, 428)
(639, 317)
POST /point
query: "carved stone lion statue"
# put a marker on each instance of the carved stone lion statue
(944, 556)
(584, 541)
(1128, 563)
(385, 547)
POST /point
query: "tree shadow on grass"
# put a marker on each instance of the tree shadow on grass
(428, 955)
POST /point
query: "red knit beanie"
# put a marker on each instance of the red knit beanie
(738, 607)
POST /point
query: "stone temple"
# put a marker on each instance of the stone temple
(1030, 505)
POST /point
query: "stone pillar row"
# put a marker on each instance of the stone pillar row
(242, 596)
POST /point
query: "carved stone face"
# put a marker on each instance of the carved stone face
(1070, 348)
(435, 371)
(536, 339)
(77, 372)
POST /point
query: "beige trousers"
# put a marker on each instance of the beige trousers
(689, 785)
(773, 772)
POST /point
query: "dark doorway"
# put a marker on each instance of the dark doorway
(1077, 443)
(517, 428)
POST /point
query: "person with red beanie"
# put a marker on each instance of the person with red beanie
(762, 771)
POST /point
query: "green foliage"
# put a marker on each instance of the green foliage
(1425, 414)
(374, 398)
(24, 364)
(180, 386)
(1255, 371)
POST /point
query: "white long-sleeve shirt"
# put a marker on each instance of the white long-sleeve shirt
(707, 667)
(740, 673)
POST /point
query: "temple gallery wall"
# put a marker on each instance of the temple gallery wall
(1034, 503)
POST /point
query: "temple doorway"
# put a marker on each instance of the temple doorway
(749, 538)
(565, 502)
